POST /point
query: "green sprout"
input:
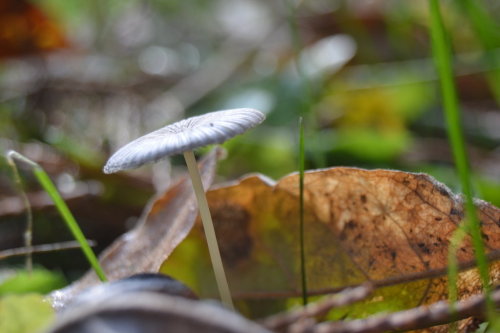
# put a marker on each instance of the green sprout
(61, 206)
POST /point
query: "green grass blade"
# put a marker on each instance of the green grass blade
(63, 209)
(442, 57)
(301, 211)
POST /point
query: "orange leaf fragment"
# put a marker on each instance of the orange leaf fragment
(26, 30)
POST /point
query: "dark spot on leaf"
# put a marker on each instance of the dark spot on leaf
(351, 225)
(231, 224)
(371, 261)
(424, 248)
(438, 218)
(393, 254)
(363, 198)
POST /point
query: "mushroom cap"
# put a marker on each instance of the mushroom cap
(184, 135)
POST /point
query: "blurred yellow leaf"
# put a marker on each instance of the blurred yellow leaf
(24, 313)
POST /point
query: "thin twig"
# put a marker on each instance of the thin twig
(417, 318)
(346, 297)
(19, 251)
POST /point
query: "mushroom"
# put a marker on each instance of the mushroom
(182, 137)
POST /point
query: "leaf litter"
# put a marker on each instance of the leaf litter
(389, 227)
(384, 226)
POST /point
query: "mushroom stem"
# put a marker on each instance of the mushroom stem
(208, 226)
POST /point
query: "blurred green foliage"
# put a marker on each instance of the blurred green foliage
(361, 74)
(39, 281)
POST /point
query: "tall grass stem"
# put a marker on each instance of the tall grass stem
(442, 56)
(301, 211)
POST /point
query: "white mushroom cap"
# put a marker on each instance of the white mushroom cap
(184, 135)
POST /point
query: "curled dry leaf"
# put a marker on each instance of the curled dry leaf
(359, 225)
(166, 221)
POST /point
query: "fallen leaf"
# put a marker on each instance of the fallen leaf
(26, 30)
(359, 225)
(167, 220)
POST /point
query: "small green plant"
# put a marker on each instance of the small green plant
(301, 212)
(61, 206)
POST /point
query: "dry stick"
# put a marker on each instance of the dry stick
(417, 318)
(208, 226)
(39, 200)
(19, 251)
(346, 297)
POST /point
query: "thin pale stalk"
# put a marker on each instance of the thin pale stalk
(442, 57)
(63, 209)
(208, 226)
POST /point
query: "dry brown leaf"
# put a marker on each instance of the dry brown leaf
(360, 225)
(167, 220)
